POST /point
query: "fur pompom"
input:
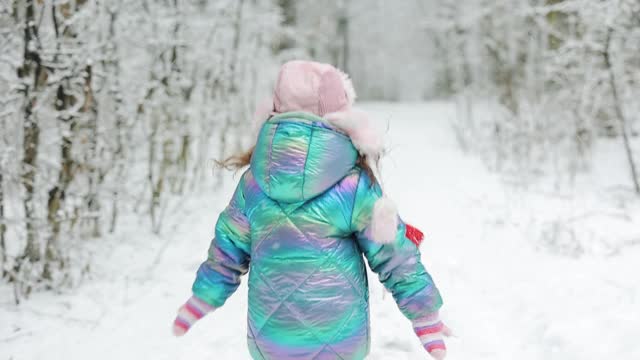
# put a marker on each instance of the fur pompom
(384, 223)
(363, 133)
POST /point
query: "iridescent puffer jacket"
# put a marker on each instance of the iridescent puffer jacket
(299, 224)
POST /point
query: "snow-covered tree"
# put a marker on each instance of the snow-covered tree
(555, 74)
(112, 108)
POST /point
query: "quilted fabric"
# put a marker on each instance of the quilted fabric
(298, 223)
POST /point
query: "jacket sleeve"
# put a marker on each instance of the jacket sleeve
(398, 263)
(229, 254)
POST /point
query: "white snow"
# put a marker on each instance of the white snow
(509, 291)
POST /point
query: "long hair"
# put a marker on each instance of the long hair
(237, 161)
(240, 160)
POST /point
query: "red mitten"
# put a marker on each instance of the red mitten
(416, 236)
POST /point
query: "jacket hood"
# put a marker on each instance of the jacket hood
(299, 155)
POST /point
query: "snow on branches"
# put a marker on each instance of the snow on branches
(111, 109)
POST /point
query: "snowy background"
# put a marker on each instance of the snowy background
(514, 144)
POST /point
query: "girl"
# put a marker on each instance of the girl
(302, 217)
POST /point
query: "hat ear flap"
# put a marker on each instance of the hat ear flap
(264, 111)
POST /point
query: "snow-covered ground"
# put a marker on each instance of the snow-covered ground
(525, 275)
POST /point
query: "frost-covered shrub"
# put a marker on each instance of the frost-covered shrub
(540, 81)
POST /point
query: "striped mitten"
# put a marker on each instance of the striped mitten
(431, 330)
(193, 310)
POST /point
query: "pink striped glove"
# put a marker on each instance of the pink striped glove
(431, 332)
(193, 310)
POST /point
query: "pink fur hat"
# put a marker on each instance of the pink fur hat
(323, 90)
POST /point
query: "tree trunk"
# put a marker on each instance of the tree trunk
(112, 66)
(3, 245)
(343, 34)
(288, 10)
(58, 192)
(68, 123)
(89, 109)
(33, 76)
(617, 105)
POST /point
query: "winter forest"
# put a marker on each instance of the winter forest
(514, 144)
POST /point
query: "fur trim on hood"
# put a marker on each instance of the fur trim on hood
(365, 136)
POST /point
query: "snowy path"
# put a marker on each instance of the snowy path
(503, 298)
